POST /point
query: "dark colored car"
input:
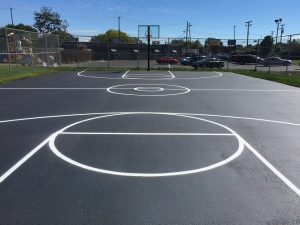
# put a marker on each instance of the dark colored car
(192, 60)
(184, 60)
(167, 60)
(208, 62)
(233, 58)
(243, 59)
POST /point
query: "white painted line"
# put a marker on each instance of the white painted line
(126, 76)
(59, 154)
(23, 160)
(148, 74)
(53, 88)
(273, 169)
(243, 118)
(245, 90)
(183, 90)
(171, 74)
(167, 113)
(151, 134)
(242, 90)
(137, 88)
(125, 73)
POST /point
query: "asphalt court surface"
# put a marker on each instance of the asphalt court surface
(149, 147)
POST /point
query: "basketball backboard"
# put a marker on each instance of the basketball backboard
(143, 31)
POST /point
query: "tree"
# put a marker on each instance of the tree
(47, 21)
(294, 45)
(21, 26)
(63, 36)
(178, 42)
(196, 44)
(111, 35)
(208, 41)
(266, 46)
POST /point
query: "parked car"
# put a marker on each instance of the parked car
(243, 59)
(184, 59)
(275, 61)
(222, 56)
(167, 60)
(208, 62)
(192, 60)
(232, 58)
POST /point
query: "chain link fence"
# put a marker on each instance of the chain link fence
(133, 53)
(29, 51)
(24, 51)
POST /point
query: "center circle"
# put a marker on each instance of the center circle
(215, 165)
(134, 89)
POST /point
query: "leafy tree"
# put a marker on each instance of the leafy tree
(21, 26)
(63, 36)
(179, 42)
(111, 35)
(294, 45)
(266, 46)
(47, 21)
(197, 44)
(208, 41)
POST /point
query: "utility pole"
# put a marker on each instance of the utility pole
(282, 30)
(119, 29)
(12, 21)
(248, 25)
(186, 35)
(272, 32)
(277, 22)
(234, 32)
(190, 37)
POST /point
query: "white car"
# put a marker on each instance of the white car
(275, 61)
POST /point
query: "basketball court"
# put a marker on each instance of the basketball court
(149, 147)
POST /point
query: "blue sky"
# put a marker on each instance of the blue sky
(208, 18)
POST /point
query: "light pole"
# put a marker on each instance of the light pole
(234, 32)
(277, 22)
(12, 21)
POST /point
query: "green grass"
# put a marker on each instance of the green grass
(296, 62)
(292, 79)
(22, 72)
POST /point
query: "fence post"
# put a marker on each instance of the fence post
(257, 49)
(8, 54)
(288, 55)
(47, 50)
(138, 54)
(59, 56)
(228, 58)
(107, 53)
(77, 51)
(30, 51)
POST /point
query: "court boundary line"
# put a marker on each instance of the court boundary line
(192, 89)
(123, 77)
(255, 152)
